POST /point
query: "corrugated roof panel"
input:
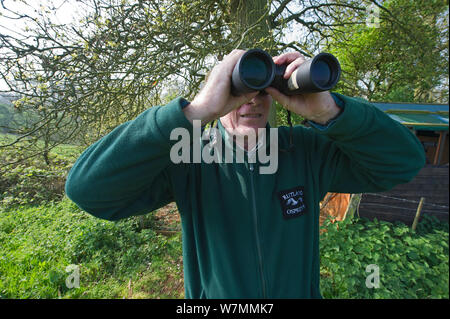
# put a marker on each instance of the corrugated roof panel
(411, 106)
(443, 118)
(420, 116)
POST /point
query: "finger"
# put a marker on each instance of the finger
(224, 69)
(231, 59)
(278, 96)
(293, 66)
(287, 57)
(235, 53)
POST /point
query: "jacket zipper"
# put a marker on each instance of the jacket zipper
(255, 220)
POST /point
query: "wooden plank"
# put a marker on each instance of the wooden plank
(405, 205)
(406, 218)
(437, 199)
(398, 212)
(439, 148)
(441, 171)
(426, 179)
(433, 170)
(416, 193)
(435, 189)
(429, 179)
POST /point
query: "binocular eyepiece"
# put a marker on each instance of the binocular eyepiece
(255, 71)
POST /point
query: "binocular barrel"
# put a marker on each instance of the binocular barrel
(255, 71)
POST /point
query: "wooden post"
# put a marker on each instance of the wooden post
(440, 148)
(353, 206)
(419, 209)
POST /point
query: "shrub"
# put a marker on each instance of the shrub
(31, 181)
(411, 264)
(38, 243)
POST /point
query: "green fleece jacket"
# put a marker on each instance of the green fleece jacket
(239, 240)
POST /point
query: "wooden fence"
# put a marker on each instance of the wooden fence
(400, 203)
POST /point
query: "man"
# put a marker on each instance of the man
(246, 234)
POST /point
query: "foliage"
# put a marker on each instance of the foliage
(402, 59)
(282, 116)
(411, 264)
(38, 243)
(41, 235)
(81, 79)
(32, 181)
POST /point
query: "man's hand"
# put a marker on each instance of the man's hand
(215, 99)
(318, 107)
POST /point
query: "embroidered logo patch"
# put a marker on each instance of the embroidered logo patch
(292, 202)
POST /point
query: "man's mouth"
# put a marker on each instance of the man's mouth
(252, 115)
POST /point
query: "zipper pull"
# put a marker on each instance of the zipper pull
(251, 167)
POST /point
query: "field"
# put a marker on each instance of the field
(42, 233)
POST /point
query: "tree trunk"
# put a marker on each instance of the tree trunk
(252, 30)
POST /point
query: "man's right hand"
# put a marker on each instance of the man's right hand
(215, 99)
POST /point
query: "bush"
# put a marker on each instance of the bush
(32, 181)
(38, 243)
(411, 264)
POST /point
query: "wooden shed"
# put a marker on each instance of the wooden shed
(429, 122)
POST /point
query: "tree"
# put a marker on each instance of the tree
(80, 80)
(403, 59)
(251, 21)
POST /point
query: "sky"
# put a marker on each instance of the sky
(67, 12)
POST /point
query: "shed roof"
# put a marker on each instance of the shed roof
(433, 117)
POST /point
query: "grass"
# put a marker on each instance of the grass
(123, 260)
(42, 232)
(116, 259)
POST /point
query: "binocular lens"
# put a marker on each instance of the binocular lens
(254, 71)
(321, 73)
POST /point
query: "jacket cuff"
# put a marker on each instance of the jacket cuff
(351, 120)
(340, 103)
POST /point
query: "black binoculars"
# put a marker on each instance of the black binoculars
(255, 71)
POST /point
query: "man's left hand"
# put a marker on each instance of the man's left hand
(317, 107)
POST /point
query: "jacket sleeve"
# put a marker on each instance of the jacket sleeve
(365, 150)
(127, 171)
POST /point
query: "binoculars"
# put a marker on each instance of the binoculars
(255, 71)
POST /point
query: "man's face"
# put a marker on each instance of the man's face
(249, 116)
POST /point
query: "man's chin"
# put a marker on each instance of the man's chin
(251, 127)
(252, 123)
